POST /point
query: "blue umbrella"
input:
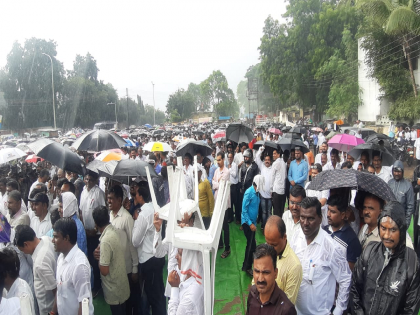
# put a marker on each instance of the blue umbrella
(129, 143)
(148, 126)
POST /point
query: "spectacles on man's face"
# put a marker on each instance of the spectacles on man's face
(293, 203)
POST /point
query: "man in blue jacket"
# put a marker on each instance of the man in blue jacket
(249, 216)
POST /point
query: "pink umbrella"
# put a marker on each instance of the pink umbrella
(274, 130)
(344, 142)
(220, 134)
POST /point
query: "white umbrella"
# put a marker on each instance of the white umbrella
(11, 154)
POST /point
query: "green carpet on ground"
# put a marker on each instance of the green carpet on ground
(231, 285)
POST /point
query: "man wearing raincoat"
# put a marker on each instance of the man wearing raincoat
(386, 278)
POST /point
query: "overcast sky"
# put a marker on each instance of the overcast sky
(171, 43)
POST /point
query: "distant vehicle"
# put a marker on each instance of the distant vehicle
(104, 125)
(366, 132)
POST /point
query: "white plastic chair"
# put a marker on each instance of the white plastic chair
(206, 241)
(186, 205)
(25, 304)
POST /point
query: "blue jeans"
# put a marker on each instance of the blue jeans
(265, 209)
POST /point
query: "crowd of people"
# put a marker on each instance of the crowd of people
(65, 238)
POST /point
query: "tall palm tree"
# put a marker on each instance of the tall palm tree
(397, 17)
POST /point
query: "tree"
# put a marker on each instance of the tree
(344, 96)
(217, 96)
(181, 104)
(399, 18)
(26, 84)
(292, 53)
(195, 92)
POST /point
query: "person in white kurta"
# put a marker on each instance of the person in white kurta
(73, 270)
(14, 285)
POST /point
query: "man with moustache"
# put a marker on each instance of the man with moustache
(289, 268)
(247, 172)
(291, 217)
(298, 171)
(73, 270)
(372, 207)
(323, 149)
(265, 297)
(266, 171)
(386, 278)
(323, 263)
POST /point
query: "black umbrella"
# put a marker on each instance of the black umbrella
(192, 146)
(351, 178)
(290, 144)
(95, 165)
(132, 168)
(286, 128)
(59, 156)
(292, 136)
(269, 147)
(404, 125)
(198, 132)
(258, 144)
(298, 129)
(387, 158)
(374, 138)
(99, 140)
(39, 144)
(239, 132)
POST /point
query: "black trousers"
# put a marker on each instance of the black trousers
(226, 234)
(152, 273)
(92, 244)
(250, 247)
(278, 203)
(118, 309)
(238, 214)
(233, 201)
(132, 306)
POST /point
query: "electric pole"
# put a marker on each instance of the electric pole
(154, 107)
(127, 105)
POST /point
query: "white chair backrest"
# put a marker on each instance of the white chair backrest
(219, 212)
(183, 190)
(25, 304)
(152, 191)
(174, 207)
(196, 198)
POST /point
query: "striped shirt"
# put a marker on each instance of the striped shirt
(348, 241)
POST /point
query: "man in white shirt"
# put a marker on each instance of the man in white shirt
(417, 150)
(43, 177)
(323, 265)
(322, 149)
(234, 198)
(239, 157)
(7, 306)
(3, 199)
(291, 217)
(16, 214)
(267, 171)
(44, 265)
(92, 196)
(41, 222)
(150, 266)
(73, 270)
(278, 180)
(321, 140)
(333, 162)
(15, 286)
(380, 171)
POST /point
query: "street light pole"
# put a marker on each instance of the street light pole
(154, 107)
(52, 86)
(116, 118)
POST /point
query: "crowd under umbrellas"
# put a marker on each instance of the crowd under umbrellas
(175, 158)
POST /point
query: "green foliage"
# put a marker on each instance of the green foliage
(181, 104)
(344, 96)
(389, 24)
(292, 54)
(216, 95)
(406, 107)
(26, 84)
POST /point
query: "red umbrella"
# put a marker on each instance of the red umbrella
(33, 158)
(274, 130)
(220, 134)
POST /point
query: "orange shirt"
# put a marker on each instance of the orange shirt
(311, 160)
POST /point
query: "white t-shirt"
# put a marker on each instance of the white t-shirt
(417, 146)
